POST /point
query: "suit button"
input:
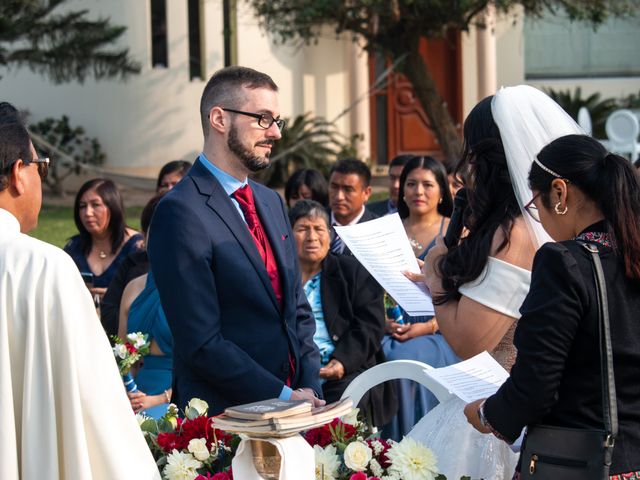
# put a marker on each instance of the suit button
(335, 338)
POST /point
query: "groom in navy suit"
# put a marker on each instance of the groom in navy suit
(225, 264)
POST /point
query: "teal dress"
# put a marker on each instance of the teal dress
(146, 316)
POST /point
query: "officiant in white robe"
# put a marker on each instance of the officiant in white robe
(63, 410)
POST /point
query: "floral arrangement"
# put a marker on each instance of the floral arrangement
(346, 450)
(189, 448)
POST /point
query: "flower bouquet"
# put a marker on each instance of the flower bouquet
(127, 354)
(189, 448)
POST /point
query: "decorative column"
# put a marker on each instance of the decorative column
(359, 98)
(486, 53)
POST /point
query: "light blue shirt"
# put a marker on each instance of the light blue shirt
(230, 184)
(312, 290)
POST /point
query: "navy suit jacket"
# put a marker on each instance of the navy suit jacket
(231, 339)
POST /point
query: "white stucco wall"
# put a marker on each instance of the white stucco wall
(153, 117)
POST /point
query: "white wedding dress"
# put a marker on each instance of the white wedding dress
(528, 120)
(459, 448)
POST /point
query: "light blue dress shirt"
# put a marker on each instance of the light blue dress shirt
(322, 339)
(230, 184)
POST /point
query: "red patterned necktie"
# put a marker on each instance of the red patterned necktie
(244, 197)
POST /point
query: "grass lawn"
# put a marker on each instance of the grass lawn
(56, 225)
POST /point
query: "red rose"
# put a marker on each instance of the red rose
(349, 430)
(358, 476)
(221, 476)
(171, 441)
(318, 436)
(199, 427)
(130, 348)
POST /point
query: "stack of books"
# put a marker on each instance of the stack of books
(276, 418)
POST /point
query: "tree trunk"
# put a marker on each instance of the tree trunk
(434, 105)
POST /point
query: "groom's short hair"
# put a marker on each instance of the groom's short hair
(15, 144)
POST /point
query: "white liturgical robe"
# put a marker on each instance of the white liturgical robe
(64, 413)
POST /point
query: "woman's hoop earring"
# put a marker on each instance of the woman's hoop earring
(556, 209)
(440, 201)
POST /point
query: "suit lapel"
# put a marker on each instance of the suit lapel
(221, 204)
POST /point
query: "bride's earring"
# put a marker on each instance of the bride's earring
(556, 208)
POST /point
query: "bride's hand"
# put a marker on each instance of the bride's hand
(471, 412)
(415, 277)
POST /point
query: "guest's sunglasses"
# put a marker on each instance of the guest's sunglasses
(531, 208)
(43, 167)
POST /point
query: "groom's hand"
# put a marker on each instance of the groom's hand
(308, 395)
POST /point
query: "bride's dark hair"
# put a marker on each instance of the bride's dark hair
(492, 202)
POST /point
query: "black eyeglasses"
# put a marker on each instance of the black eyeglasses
(532, 209)
(43, 166)
(265, 120)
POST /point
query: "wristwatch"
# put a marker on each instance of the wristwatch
(483, 419)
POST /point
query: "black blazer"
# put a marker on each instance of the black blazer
(556, 377)
(231, 338)
(353, 307)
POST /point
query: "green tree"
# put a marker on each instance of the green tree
(63, 45)
(394, 28)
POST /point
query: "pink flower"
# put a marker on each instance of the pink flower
(358, 476)
(222, 476)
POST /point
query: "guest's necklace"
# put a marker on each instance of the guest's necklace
(102, 254)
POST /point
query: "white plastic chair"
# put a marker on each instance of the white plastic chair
(395, 369)
(584, 120)
(622, 128)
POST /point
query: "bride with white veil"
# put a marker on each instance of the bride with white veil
(479, 285)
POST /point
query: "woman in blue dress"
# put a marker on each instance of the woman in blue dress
(141, 311)
(424, 204)
(104, 239)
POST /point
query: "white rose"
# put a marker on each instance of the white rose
(120, 350)
(199, 406)
(137, 339)
(198, 447)
(357, 456)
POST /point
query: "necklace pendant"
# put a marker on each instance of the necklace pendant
(102, 255)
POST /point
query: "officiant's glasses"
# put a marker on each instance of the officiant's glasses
(43, 167)
(265, 120)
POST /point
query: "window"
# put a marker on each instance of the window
(558, 48)
(159, 34)
(196, 69)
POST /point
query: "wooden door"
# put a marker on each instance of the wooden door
(398, 122)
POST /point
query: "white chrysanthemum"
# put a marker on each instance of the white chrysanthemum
(412, 460)
(376, 468)
(141, 418)
(181, 466)
(357, 456)
(328, 458)
(120, 350)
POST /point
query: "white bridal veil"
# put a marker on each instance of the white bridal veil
(528, 120)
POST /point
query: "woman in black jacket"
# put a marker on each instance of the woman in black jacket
(347, 304)
(581, 193)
